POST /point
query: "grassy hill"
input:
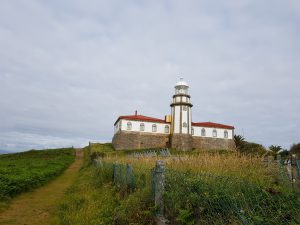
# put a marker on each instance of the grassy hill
(201, 188)
(24, 171)
(4, 152)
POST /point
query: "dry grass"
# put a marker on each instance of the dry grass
(249, 168)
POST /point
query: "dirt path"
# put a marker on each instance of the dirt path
(38, 207)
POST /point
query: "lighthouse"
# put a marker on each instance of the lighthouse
(176, 130)
(181, 111)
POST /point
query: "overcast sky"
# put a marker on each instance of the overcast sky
(68, 69)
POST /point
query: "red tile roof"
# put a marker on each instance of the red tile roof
(141, 118)
(214, 125)
(156, 120)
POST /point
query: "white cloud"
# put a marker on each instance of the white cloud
(69, 68)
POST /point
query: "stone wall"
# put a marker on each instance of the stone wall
(212, 143)
(182, 142)
(139, 140)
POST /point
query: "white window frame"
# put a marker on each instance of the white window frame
(142, 127)
(167, 129)
(203, 132)
(129, 126)
(154, 128)
(215, 133)
(225, 134)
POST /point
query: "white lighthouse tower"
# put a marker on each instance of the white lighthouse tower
(181, 111)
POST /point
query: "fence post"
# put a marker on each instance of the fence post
(129, 177)
(159, 186)
(270, 160)
(114, 173)
(278, 158)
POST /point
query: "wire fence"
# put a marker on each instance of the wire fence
(151, 153)
(202, 198)
(209, 199)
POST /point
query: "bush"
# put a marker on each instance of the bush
(295, 149)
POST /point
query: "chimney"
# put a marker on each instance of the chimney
(135, 112)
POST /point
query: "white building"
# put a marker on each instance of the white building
(176, 130)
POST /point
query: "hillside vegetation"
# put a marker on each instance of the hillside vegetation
(24, 171)
(208, 187)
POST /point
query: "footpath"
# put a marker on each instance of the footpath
(38, 207)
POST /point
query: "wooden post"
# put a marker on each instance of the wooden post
(114, 173)
(278, 158)
(270, 160)
(129, 177)
(159, 186)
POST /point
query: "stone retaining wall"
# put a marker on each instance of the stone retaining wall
(182, 142)
(212, 143)
(139, 140)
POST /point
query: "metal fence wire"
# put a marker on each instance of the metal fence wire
(298, 167)
(202, 198)
(209, 199)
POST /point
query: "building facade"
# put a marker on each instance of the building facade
(175, 131)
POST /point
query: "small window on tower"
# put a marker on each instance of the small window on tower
(184, 108)
(129, 126)
(167, 129)
(184, 124)
(154, 128)
(214, 133)
(142, 127)
(203, 133)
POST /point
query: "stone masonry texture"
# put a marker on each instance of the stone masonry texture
(212, 143)
(182, 142)
(140, 140)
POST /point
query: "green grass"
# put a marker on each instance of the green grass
(94, 200)
(211, 187)
(25, 171)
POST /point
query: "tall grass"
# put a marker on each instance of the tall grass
(218, 188)
(93, 199)
(249, 168)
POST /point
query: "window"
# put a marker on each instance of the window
(184, 108)
(192, 131)
(225, 134)
(184, 124)
(142, 127)
(167, 129)
(214, 133)
(154, 128)
(129, 126)
(203, 133)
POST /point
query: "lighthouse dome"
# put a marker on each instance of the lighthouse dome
(181, 82)
(181, 87)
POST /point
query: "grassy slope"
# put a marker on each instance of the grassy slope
(263, 182)
(38, 206)
(25, 171)
(94, 200)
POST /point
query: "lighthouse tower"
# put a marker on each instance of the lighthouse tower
(181, 111)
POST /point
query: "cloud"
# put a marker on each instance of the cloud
(70, 68)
